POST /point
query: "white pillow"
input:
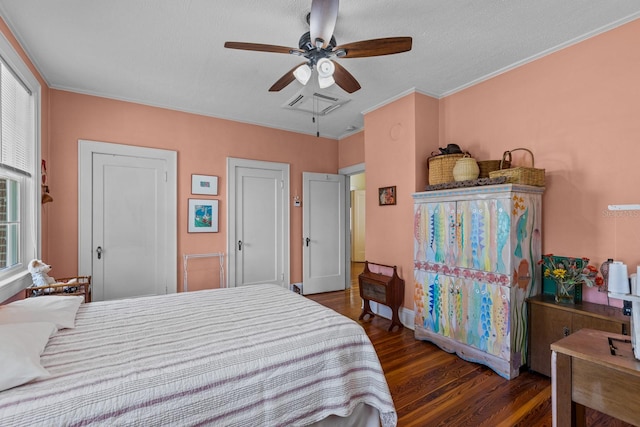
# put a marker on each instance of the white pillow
(22, 345)
(60, 310)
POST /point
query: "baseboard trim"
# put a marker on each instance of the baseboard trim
(406, 316)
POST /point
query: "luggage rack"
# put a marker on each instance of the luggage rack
(187, 257)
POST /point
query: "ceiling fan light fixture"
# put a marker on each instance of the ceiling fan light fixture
(302, 74)
(325, 82)
(326, 69)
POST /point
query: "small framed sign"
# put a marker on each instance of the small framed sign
(204, 184)
(203, 216)
(387, 195)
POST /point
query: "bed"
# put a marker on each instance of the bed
(248, 356)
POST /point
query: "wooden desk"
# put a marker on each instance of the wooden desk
(585, 373)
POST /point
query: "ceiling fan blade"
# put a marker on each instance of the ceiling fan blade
(262, 47)
(285, 80)
(322, 21)
(376, 47)
(344, 79)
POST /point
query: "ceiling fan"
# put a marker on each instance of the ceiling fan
(319, 47)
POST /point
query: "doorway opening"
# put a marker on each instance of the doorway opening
(355, 181)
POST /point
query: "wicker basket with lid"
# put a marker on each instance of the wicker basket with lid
(441, 167)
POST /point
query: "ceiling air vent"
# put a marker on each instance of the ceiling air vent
(315, 103)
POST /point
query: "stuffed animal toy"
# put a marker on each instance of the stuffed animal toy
(39, 270)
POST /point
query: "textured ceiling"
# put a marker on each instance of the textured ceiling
(170, 53)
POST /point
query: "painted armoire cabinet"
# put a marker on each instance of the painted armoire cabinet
(475, 263)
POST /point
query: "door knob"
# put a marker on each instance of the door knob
(99, 251)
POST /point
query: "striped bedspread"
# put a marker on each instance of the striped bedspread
(248, 356)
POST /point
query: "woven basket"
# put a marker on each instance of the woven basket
(441, 168)
(466, 169)
(487, 166)
(520, 175)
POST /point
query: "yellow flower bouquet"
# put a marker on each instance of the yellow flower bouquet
(568, 273)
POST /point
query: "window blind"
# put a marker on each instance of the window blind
(16, 132)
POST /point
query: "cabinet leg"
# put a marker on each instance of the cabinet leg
(366, 309)
(395, 320)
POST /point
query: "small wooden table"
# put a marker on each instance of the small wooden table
(594, 369)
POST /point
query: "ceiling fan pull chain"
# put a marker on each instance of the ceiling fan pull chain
(316, 118)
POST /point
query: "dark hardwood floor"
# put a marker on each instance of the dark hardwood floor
(433, 388)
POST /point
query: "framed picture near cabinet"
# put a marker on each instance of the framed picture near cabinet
(203, 216)
(387, 195)
(204, 184)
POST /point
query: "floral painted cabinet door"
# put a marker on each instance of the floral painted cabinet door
(441, 311)
(475, 255)
(484, 234)
(468, 311)
(435, 232)
(469, 234)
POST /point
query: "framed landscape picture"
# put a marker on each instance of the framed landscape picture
(204, 184)
(203, 216)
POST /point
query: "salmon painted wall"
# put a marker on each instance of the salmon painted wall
(351, 150)
(203, 144)
(389, 136)
(578, 111)
(398, 137)
(427, 136)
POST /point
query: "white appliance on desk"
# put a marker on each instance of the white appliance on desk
(635, 319)
(619, 288)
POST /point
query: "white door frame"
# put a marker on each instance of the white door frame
(348, 171)
(86, 149)
(358, 214)
(233, 163)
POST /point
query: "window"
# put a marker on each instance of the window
(9, 223)
(19, 178)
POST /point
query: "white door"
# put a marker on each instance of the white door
(323, 234)
(358, 203)
(258, 245)
(129, 243)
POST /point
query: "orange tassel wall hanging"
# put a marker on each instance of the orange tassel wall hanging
(46, 197)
